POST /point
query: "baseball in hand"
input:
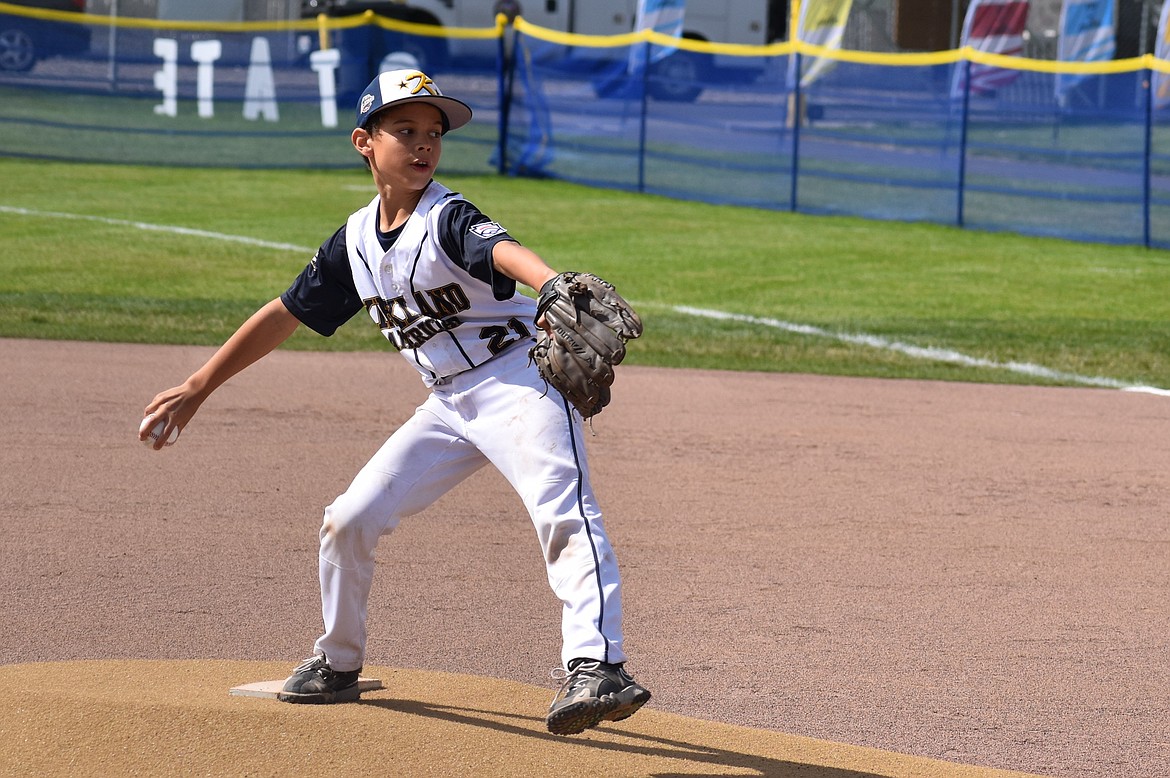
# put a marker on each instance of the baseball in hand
(156, 431)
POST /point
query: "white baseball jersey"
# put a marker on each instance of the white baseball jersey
(442, 320)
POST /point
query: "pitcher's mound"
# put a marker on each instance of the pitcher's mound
(163, 718)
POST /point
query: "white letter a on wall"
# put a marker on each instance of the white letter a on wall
(260, 87)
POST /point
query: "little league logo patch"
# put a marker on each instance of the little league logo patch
(487, 230)
(367, 101)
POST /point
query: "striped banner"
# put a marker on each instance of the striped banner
(997, 27)
(663, 16)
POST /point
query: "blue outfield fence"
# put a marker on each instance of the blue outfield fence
(897, 137)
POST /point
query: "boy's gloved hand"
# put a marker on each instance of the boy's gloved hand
(590, 324)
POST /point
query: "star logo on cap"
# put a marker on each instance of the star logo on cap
(423, 82)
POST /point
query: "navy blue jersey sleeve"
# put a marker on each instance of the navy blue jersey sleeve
(468, 237)
(323, 296)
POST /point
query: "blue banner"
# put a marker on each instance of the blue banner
(1087, 34)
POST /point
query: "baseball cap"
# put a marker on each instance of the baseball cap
(402, 86)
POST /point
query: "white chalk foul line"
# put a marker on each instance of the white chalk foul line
(158, 228)
(873, 341)
(920, 352)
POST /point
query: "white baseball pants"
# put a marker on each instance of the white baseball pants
(502, 413)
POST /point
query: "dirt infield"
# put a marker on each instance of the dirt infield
(970, 573)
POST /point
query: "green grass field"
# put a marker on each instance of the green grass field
(1084, 309)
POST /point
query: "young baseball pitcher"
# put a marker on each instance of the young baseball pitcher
(439, 278)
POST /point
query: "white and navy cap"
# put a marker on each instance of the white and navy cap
(404, 86)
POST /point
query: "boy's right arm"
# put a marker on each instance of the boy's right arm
(262, 333)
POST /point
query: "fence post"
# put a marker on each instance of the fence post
(794, 121)
(1148, 166)
(964, 119)
(506, 71)
(642, 123)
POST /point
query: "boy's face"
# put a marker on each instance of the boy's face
(405, 146)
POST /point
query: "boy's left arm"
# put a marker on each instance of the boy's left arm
(521, 264)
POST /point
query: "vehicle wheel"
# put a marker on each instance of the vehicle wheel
(676, 78)
(17, 52)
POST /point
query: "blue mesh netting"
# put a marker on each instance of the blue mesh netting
(1073, 171)
(873, 139)
(91, 95)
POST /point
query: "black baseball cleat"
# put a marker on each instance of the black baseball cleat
(314, 681)
(593, 692)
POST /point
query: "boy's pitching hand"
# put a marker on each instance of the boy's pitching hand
(151, 432)
(167, 415)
